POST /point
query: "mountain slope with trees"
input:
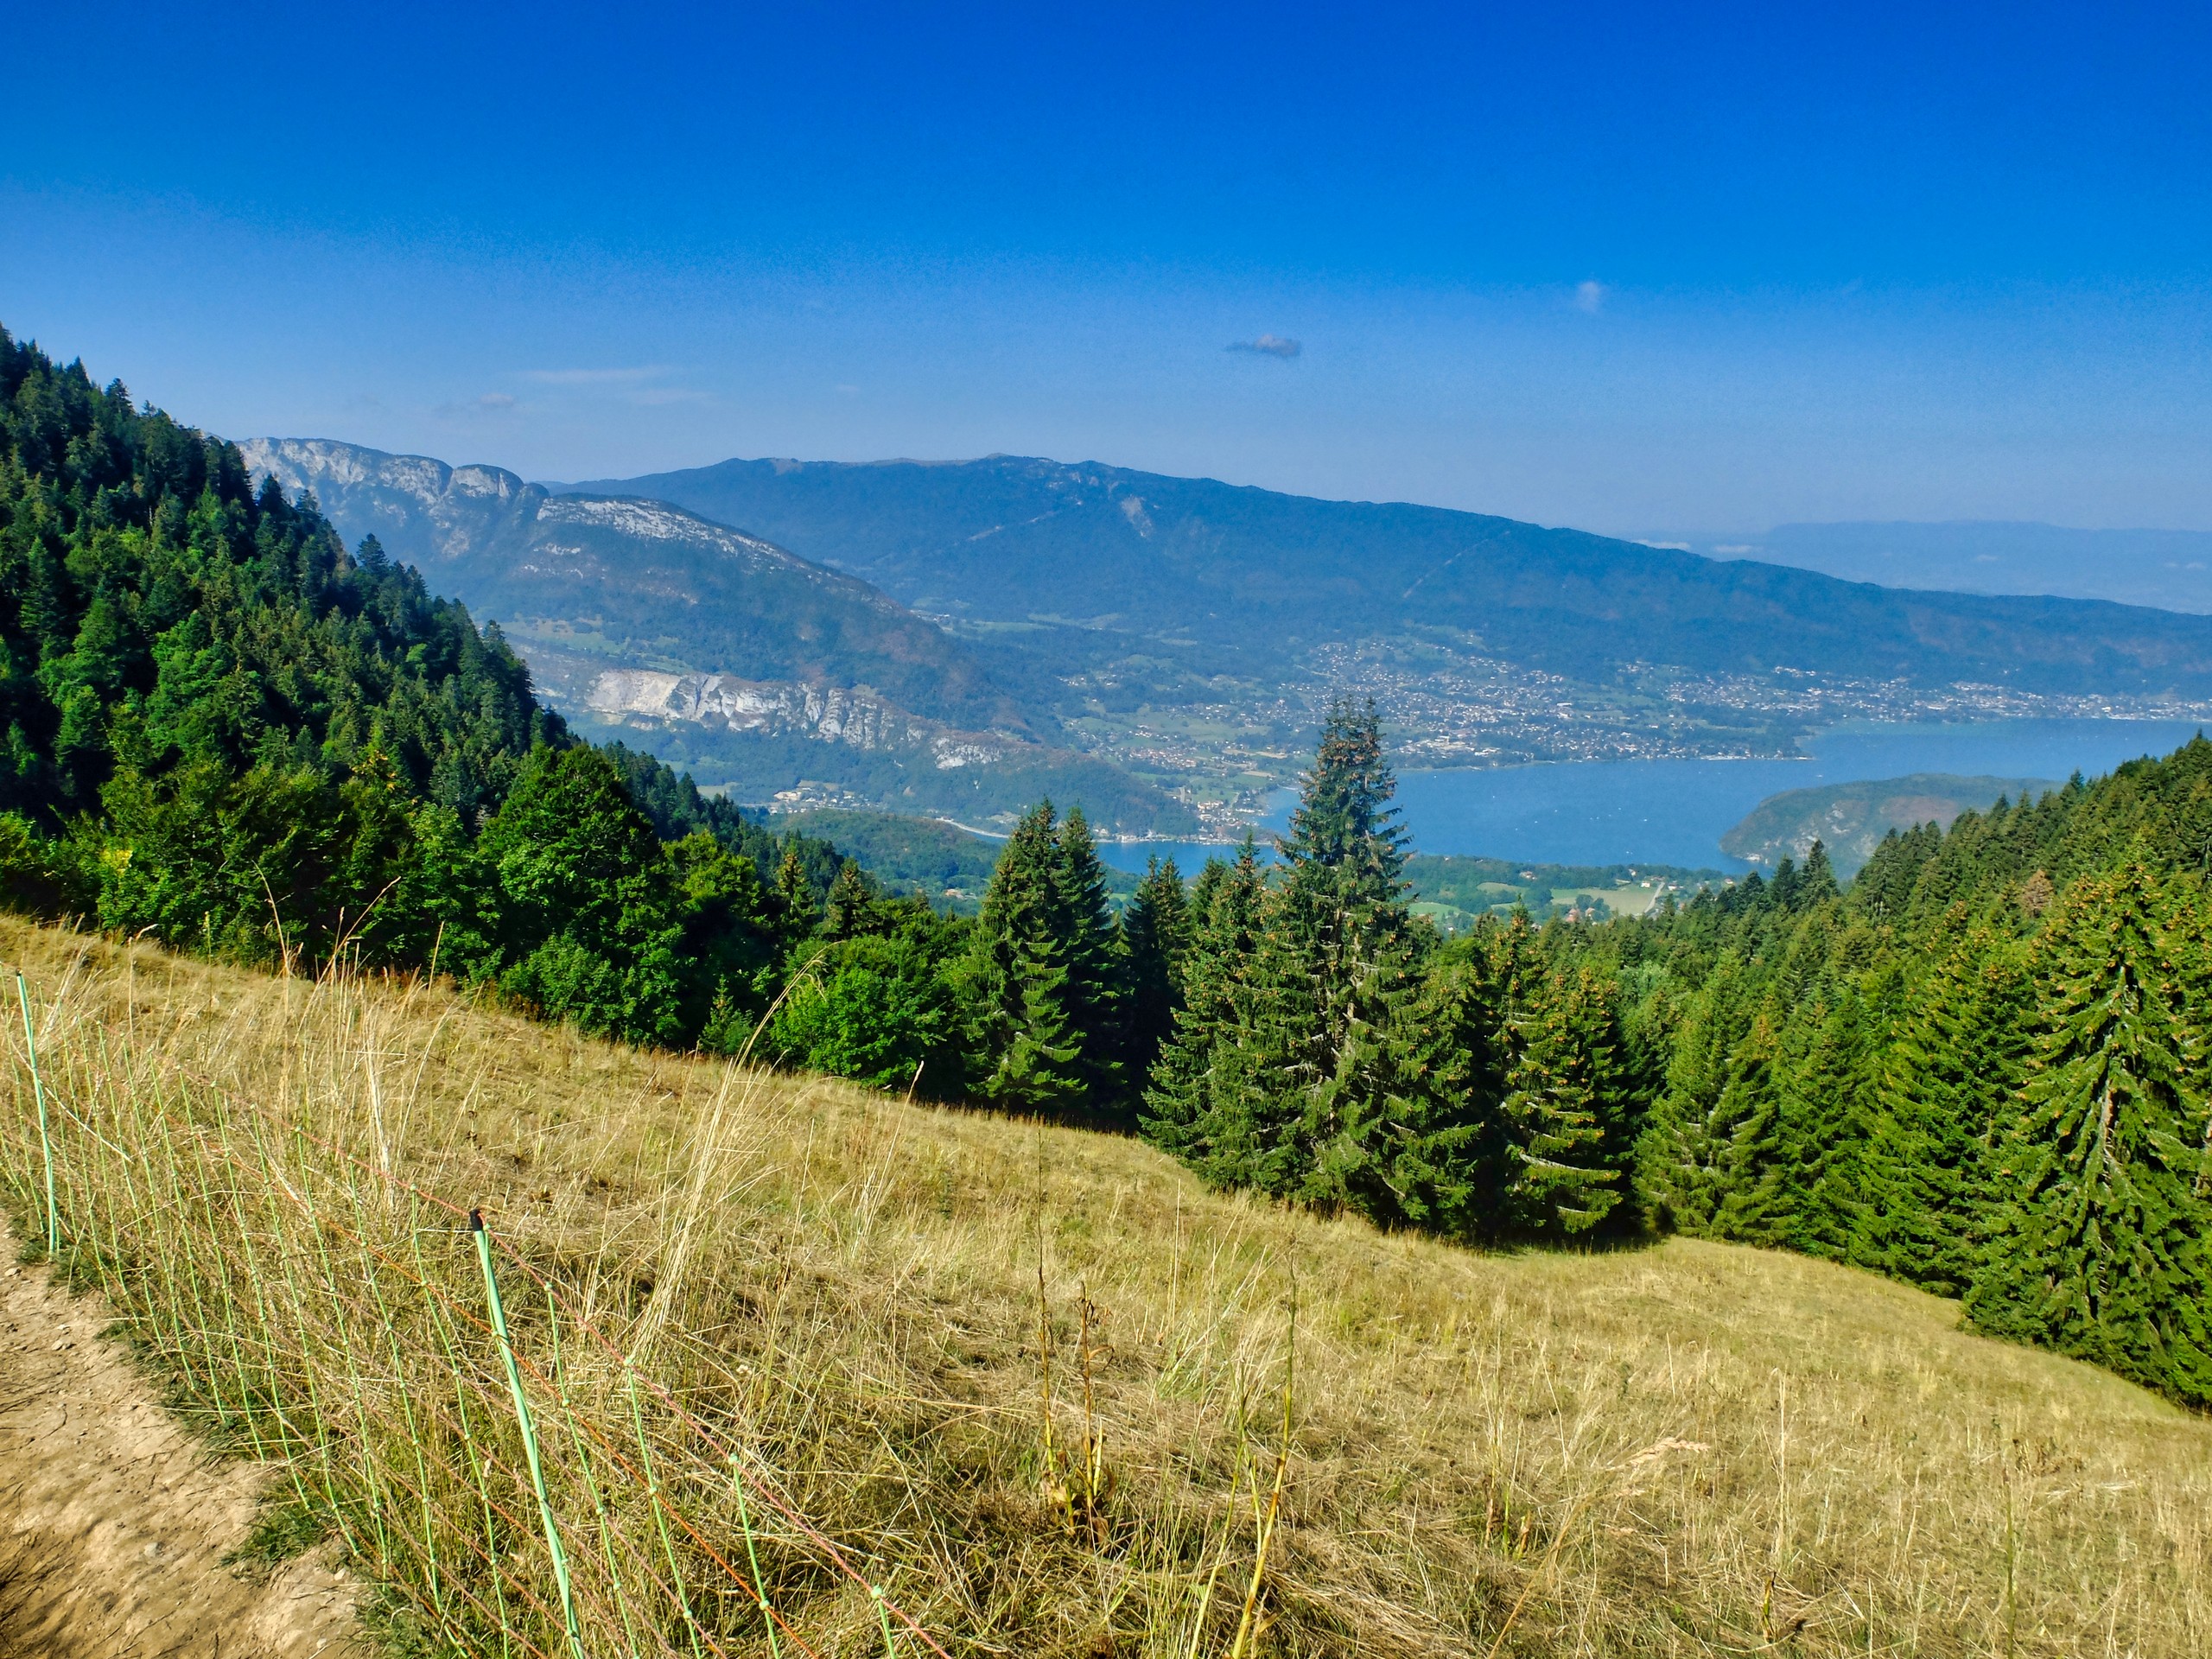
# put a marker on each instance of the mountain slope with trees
(1012, 539)
(757, 670)
(1976, 1068)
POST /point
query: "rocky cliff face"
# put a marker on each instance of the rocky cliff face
(724, 703)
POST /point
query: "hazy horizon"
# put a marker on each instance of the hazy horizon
(1610, 269)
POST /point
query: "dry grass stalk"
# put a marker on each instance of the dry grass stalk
(1536, 1453)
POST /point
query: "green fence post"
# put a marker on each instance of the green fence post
(45, 1140)
(528, 1432)
(875, 1595)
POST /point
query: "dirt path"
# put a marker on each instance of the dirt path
(114, 1521)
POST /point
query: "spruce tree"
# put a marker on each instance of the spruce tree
(1155, 938)
(845, 911)
(1028, 1051)
(1944, 1081)
(1226, 905)
(796, 911)
(1314, 1070)
(2100, 1249)
(1682, 1154)
(1092, 949)
(1443, 1154)
(1566, 1082)
(1747, 1132)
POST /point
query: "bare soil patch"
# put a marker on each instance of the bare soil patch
(114, 1521)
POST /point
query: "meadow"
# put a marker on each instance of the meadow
(810, 1370)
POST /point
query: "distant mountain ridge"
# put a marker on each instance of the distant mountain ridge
(1012, 540)
(636, 580)
(2170, 570)
(800, 677)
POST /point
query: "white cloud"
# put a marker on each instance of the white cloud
(490, 402)
(1280, 345)
(1589, 297)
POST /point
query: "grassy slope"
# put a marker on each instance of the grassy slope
(1686, 1449)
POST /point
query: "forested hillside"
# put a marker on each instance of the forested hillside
(224, 731)
(1976, 1068)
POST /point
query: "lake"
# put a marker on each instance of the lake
(1676, 811)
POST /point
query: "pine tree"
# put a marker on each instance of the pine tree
(1093, 996)
(1179, 1118)
(1155, 938)
(1298, 1103)
(797, 912)
(2099, 1250)
(1681, 1156)
(1944, 1081)
(1747, 1133)
(1028, 1051)
(1444, 1153)
(845, 911)
(1566, 1082)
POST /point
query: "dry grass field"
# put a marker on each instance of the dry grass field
(783, 1340)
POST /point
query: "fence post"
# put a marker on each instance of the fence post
(528, 1432)
(45, 1140)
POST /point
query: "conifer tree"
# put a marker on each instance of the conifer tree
(1092, 996)
(796, 910)
(1682, 1154)
(2100, 1249)
(1314, 1064)
(1155, 938)
(1442, 1152)
(1227, 900)
(1944, 1081)
(845, 910)
(1029, 1050)
(1566, 1081)
(1747, 1133)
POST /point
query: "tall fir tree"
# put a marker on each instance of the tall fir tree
(2100, 1247)
(1299, 1095)
(1944, 1086)
(1568, 1175)
(1093, 994)
(1226, 905)
(1682, 1153)
(1156, 939)
(1029, 1050)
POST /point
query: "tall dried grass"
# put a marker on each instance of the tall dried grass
(1034, 1384)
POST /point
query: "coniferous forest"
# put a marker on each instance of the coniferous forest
(1977, 1069)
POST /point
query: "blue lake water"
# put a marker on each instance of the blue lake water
(1676, 811)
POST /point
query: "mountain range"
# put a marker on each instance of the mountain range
(764, 672)
(1014, 540)
(955, 637)
(2170, 570)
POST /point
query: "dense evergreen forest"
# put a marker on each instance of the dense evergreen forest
(1976, 1068)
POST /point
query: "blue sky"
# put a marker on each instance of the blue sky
(1634, 267)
